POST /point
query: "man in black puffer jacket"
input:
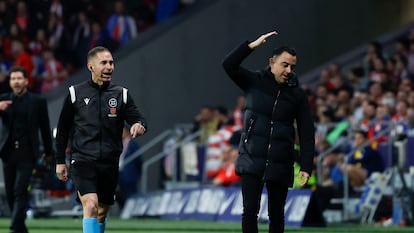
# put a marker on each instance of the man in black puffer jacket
(274, 104)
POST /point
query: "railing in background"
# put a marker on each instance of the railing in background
(161, 155)
(159, 138)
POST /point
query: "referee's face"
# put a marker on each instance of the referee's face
(101, 67)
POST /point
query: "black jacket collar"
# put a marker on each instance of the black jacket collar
(95, 85)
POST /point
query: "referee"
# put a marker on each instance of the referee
(92, 119)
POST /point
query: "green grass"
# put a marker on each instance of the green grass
(72, 225)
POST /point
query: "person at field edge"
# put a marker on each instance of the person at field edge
(24, 115)
(92, 117)
(274, 104)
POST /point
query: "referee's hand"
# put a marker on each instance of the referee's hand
(137, 130)
(62, 172)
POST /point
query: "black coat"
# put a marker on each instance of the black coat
(267, 143)
(38, 121)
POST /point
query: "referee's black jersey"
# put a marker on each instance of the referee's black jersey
(93, 118)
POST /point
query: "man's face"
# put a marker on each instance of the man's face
(359, 139)
(18, 83)
(281, 66)
(101, 67)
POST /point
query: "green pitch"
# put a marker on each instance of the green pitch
(74, 225)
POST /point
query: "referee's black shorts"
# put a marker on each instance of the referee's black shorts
(96, 177)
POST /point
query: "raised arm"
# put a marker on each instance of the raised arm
(232, 62)
(261, 40)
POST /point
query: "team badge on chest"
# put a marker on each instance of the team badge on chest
(112, 103)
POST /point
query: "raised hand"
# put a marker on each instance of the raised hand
(261, 40)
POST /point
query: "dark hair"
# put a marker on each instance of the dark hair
(18, 69)
(281, 49)
(94, 51)
(403, 59)
(361, 132)
(358, 71)
(372, 103)
(377, 45)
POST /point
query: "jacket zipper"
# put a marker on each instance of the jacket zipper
(270, 135)
(249, 130)
(100, 122)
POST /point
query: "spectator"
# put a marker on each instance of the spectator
(121, 26)
(24, 59)
(100, 37)
(14, 34)
(376, 91)
(378, 72)
(369, 109)
(38, 11)
(356, 104)
(55, 29)
(392, 71)
(206, 121)
(400, 110)
(356, 79)
(81, 38)
(6, 17)
(410, 57)
(36, 47)
(226, 174)
(406, 85)
(56, 9)
(374, 50)
(222, 115)
(219, 141)
(401, 67)
(144, 12)
(363, 162)
(53, 71)
(401, 47)
(325, 79)
(22, 17)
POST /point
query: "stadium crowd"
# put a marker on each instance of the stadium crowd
(39, 34)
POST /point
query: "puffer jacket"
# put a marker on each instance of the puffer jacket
(271, 110)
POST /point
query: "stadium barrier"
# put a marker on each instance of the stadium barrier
(220, 204)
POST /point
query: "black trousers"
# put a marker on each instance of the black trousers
(252, 187)
(18, 167)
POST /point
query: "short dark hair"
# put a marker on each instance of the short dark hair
(18, 69)
(362, 132)
(284, 48)
(94, 51)
(373, 104)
